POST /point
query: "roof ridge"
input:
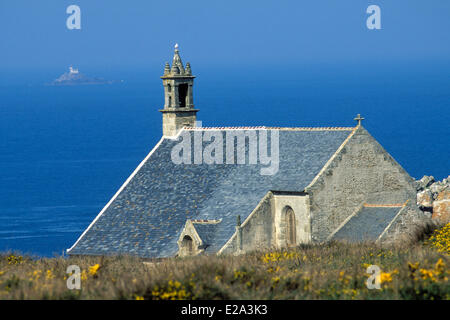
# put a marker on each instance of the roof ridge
(273, 128)
(206, 221)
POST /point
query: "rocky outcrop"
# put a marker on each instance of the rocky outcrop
(441, 206)
(434, 197)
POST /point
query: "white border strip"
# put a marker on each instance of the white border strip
(118, 192)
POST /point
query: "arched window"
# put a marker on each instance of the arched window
(291, 237)
(182, 94)
(187, 245)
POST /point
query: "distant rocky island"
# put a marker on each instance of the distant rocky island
(74, 77)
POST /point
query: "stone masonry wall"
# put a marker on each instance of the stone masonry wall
(403, 225)
(266, 226)
(257, 232)
(362, 171)
(174, 121)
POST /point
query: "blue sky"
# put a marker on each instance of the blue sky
(141, 33)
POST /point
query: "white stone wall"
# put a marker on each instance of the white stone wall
(189, 230)
(300, 206)
(265, 227)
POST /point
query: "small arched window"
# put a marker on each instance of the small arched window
(291, 237)
(187, 245)
(169, 88)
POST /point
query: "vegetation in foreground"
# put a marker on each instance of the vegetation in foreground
(331, 271)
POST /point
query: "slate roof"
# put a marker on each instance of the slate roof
(206, 232)
(146, 216)
(367, 224)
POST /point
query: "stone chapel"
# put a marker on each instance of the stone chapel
(328, 183)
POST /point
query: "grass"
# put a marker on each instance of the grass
(331, 271)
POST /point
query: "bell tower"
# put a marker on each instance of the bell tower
(178, 83)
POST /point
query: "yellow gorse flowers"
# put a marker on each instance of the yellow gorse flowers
(174, 290)
(386, 277)
(239, 274)
(440, 266)
(93, 269)
(272, 269)
(440, 239)
(280, 256)
(345, 279)
(439, 272)
(49, 274)
(12, 259)
(35, 275)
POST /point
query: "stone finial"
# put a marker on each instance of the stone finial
(177, 61)
(359, 119)
(175, 69)
(166, 69)
(188, 70)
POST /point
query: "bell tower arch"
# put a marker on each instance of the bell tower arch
(178, 82)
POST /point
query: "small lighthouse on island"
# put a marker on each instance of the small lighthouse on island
(73, 71)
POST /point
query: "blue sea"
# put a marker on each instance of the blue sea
(65, 151)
